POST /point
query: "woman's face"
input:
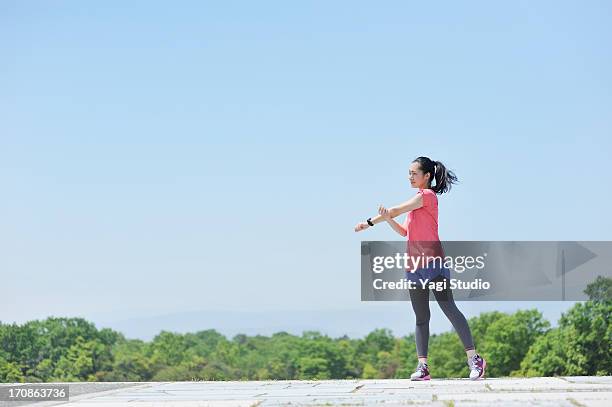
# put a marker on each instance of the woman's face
(416, 176)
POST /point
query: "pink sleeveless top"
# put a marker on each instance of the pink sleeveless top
(422, 226)
(422, 223)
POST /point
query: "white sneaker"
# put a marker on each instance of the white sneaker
(421, 373)
(477, 367)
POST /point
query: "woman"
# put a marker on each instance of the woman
(421, 225)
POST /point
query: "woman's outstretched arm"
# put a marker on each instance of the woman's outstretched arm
(388, 214)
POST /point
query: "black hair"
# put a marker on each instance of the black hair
(444, 177)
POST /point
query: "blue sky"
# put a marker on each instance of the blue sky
(160, 157)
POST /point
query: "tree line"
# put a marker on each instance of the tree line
(518, 344)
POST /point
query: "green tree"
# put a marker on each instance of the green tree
(79, 362)
(369, 371)
(581, 344)
(313, 368)
(282, 356)
(10, 372)
(367, 350)
(588, 338)
(406, 354)
(130, 363)
(44, 370)
(509, 338)
(600, 289)
(167, 349)
(546, 357)
(446, 356)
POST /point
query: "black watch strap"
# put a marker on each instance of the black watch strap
(370, 222)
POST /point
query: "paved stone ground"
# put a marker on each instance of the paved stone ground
(556, 391)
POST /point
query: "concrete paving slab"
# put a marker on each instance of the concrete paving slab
(499, 392)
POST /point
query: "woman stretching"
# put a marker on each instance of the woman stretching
(421, 225)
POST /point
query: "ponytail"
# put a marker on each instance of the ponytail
(444, 177)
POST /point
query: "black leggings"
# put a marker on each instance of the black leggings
(419, 297)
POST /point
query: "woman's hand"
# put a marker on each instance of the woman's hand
(384, 212)
(361, 226)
